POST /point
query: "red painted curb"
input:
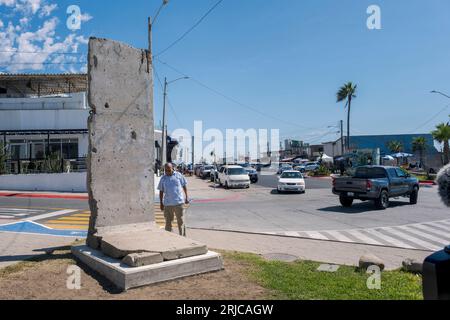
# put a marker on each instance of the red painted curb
(43, 196)
(428, 183)
(233, 198)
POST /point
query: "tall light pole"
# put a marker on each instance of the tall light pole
(150, 25)
(164, 125)
(442, 94)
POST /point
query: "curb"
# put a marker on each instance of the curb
(43, 196)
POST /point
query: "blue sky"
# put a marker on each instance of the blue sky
(284, 58)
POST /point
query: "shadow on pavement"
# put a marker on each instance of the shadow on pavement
(285, 193)
(362, 207)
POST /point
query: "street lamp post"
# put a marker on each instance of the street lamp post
(150, 26)
(442, 94)
(164, 125)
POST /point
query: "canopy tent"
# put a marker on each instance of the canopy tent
(402, 155)
(388, 158)
(326, 158)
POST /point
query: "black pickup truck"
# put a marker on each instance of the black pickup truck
(376, 183)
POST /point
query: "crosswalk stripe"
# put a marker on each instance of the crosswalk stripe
(316, 235)
(444, 234)
(363, 237)
(439, 226)
(391, 241)
(20, 210)
(51, 215)
(424, 235)
(446, 222)
(291, 234)
(423, 244)
(339, 236)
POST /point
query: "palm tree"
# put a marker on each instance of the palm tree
(442, 135)
(347, 92)
(395, 146)
(419, 144)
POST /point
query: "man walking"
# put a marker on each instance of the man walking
(172, 196)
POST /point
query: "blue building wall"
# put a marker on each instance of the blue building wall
(382, 141)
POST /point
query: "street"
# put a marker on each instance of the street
(260, 209)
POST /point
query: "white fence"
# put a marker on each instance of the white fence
(58, 182)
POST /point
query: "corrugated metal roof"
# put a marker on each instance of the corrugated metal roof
(43, 84)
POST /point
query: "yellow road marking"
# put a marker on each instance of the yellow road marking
(67, 222)
(66, 227)
(80, 221)
(73, 219)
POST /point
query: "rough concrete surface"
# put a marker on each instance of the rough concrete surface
(121, 135)
(169, 245)
(121, 174)
(142, 259)
(126, 277)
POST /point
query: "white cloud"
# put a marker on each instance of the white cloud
(85, 17)
(8, 3)
(47, 10)
(23, 48)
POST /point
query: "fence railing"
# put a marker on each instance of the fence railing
(37, 166)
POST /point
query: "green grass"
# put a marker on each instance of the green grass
(301, 281)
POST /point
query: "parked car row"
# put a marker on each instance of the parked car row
(228, 176)
(303, 168)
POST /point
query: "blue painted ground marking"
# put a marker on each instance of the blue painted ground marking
(35, 228)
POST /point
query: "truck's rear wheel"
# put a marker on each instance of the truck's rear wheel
(382, 202)
(346, 201)
(414, 196)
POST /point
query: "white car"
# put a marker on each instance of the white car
(234, 177)
(291, 181)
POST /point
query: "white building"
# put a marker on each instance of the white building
(43, 115)
(43, 129)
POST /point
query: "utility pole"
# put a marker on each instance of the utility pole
(193, 151)
(164, 132)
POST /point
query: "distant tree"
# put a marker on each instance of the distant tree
(442, 135)
(347, 92)
(395, 146)
(419, 144)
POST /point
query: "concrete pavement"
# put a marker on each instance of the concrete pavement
(313, 250)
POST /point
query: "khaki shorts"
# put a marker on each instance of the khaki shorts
(175, 211)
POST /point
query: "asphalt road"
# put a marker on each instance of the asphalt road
(316, 214)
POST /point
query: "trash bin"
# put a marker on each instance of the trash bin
(436, 276)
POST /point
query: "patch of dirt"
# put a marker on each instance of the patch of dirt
(46, 278)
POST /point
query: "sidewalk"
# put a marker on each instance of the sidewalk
(313, 250)
(19, 247)
(199, 190)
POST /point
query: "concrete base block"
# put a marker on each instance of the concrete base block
(125, 277)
